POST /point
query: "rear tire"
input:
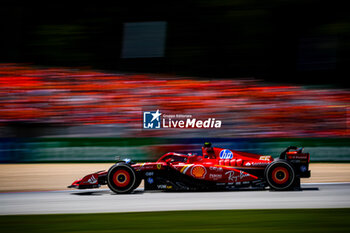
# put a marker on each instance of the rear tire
(280, 175)
(121, 178)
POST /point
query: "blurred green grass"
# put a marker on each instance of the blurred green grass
(295, 220)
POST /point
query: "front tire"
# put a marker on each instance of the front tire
(121, 178)
(280, 175)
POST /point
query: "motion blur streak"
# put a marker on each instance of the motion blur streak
(63, 97)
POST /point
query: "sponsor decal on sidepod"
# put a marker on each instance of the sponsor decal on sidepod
(226, 154)
(198, 171)
(233, 177)
(215, 176)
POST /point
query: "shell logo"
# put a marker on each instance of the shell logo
(198, 171)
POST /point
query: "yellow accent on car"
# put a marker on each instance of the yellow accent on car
(265, 157)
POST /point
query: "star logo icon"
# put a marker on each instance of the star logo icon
(151, 120)
(156, 115)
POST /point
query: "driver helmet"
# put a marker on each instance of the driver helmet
(208, 148)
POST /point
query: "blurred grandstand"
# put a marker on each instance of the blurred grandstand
(83, 102)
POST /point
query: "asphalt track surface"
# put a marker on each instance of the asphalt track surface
(336, 195)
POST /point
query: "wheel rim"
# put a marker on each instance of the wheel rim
(121, 178)
(280, 175)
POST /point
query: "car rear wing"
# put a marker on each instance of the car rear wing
(299, 159)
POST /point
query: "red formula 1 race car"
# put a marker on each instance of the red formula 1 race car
(215, 169)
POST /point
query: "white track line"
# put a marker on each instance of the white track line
(313, 195)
